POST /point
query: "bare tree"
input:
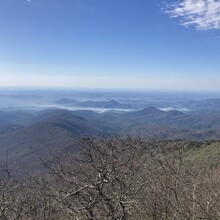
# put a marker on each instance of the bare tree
(115, 179)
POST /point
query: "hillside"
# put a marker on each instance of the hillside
(106, 177)
(49, 133)
(53, 131)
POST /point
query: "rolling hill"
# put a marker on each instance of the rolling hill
(56, 131)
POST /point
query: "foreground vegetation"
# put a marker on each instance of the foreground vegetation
(119, 179)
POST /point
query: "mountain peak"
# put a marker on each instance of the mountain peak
(150, 109)
(146, 112)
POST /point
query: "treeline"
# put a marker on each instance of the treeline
(115, 179)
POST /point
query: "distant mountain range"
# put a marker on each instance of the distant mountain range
(195, 106)
(95, 104)
(29, 135)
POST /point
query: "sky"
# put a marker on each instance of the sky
(110, 44)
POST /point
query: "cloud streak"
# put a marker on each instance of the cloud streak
(203, 14)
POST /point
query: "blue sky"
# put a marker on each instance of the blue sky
(136, 44)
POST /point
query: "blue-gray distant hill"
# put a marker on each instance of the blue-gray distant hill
(95, 104)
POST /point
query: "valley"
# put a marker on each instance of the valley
(27, 134)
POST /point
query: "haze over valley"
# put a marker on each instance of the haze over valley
(37, 123)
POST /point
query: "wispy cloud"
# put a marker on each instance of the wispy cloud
(203, 14)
